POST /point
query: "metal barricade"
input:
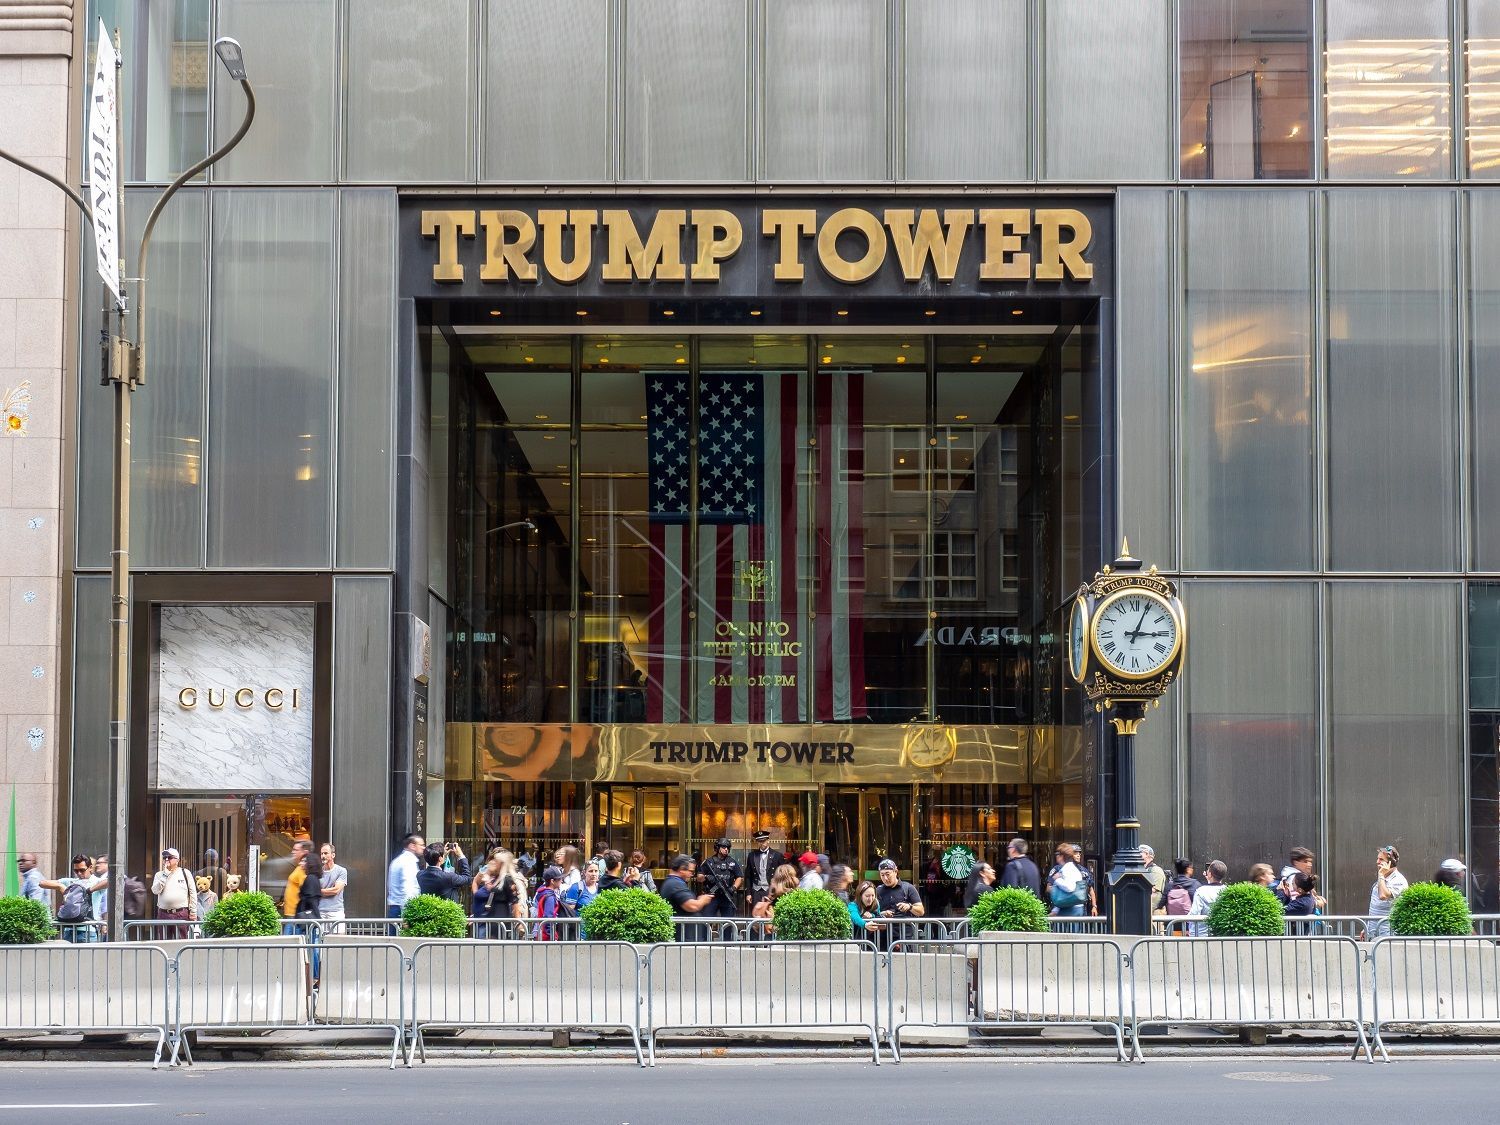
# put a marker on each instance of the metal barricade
(1434, 981)
(1309, 925)
(87, 987)
(1087, 924)
(267, 985)
(81, 933)
(714, 929)
(750, 986)
(1276, 981)
(1486, 925)
(162, 929)
(525, 985)
(361, 927)
(1024, 981)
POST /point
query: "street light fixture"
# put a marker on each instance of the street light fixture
(125, 367)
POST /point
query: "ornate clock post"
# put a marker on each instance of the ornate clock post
(1126, 640)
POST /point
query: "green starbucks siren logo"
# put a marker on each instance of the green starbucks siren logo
(959, 862)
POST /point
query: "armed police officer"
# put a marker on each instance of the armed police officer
(722, 878)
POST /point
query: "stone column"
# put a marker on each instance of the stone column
(36, 221)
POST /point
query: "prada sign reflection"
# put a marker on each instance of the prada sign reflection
(740, 246)
(273, 699)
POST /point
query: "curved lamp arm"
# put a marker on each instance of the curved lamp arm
(230, 55)
(88, 212)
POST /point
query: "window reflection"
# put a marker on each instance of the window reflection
(1389, 90)
(1482, 87)
(1246, 89)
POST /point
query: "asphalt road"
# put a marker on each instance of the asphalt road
(758, 1092)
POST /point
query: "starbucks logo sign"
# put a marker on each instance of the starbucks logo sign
(959, 862)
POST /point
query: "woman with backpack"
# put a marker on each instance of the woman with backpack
(1070, 888)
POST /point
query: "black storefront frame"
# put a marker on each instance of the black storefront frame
(414, 605)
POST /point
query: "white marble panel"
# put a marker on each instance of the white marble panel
(246, 722)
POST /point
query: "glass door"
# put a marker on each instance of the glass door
(865, 824)
(214, 836)
(739, 813)
(628, 818)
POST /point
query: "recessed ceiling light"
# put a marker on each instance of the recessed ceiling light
(549, 437)
(668, 312)
(591, 539)
(754, 312)
(900, 359)
(494, 312)
(930, 312)
(531, 359)
(643, 417)
(540, 417)
(1015, 312)
(843, 312)
(604, 359)
(960, 417)
(679, 347)
(828, 359)
(680, 359)
(974, 359)
(583, 312)
(906, 345)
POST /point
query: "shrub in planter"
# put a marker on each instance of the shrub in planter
(1011, 909)
(632, 915)
(431, 916)
(1246, 910)
(811, 916)
(246, 914)
(24, 921)
(1430, 910)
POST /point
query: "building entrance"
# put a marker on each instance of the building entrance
(867, 823)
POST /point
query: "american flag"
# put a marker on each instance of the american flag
(766, 624)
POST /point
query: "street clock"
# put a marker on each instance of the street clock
(1127, 634)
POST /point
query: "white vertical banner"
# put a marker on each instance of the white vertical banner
(104, 174)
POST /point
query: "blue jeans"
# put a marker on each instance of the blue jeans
(1075, 911)
(393, 911)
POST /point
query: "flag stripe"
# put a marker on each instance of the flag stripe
(854, 556)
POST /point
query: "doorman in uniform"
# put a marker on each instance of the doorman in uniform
(721, 878)
(760, 865)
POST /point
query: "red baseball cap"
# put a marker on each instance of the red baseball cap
(807, 858)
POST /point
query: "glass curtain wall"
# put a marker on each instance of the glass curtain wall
(861, 526)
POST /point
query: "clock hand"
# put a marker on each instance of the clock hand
(1140, 623)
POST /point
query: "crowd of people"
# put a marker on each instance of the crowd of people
(505, 888)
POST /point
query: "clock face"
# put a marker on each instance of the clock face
(1078, 628)
(1136, 633)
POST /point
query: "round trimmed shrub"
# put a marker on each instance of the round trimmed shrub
(1012, 909)
(1246, 910)
(1430, 910)
(24, 921)
(431, 916)
(632, 915)
(811, 916)
(245, 914)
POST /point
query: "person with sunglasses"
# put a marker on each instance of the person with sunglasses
(1387, 888)
(84, 905)
(175, 890)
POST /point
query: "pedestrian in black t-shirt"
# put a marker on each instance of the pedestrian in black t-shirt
(680, 897)
(897, 898)
(614, 863)
(1020, 871)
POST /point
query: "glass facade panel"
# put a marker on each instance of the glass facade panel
(408, 95)
(686, 78)
(968, 89)
(1146, 398)
(163, 85)
(511, 588)
(1246, 89)
(366, 375)
(639, 609)
(874, 564)
(1252, 724)
(825, 110)
(1389, 95)
(89, 782)
(272, 358)
(547, 81)
(1109, 110)
(1484, 374)
(1247, 436)
(362, 731)
(166, 451)
(291, 48)
(1395, 736)
(1392, 420)
(1482, 88)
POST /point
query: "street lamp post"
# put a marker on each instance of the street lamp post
(124, 366)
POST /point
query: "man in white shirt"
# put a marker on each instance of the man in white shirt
(334, 879)
(401, 876)
(1216, 872)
